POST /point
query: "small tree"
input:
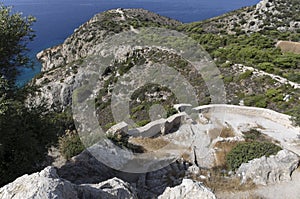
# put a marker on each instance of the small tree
(15, 33)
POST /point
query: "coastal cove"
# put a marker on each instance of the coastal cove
(58, 19)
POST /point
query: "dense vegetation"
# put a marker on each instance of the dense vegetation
(244, 152)
(15, 33)
(257, 50)
(25, 133)
(70, 144)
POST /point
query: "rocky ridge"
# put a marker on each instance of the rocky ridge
(266, 15)
(84, 40)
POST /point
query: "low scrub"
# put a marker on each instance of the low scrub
(70, 144)
(244, 152)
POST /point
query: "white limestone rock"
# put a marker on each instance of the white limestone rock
(270, 170)
(188, 190)
(182, 107)
(47, 184)
(120, 128)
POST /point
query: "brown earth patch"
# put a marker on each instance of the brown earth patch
(289, 46)
(222, 149)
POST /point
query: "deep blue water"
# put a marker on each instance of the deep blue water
(56, 19)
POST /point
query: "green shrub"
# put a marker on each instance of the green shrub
(228, 79)
(226, 64)
(244, 152)
(246, 74)
(70, 144)
(252, 134)
(171, 111)
(256, 100)
(266, 66)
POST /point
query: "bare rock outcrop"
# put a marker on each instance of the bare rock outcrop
(188, 190)
(270, 170)
(47, 184)
(161, 126)
(266, 15)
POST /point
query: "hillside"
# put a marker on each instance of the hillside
(210, 101)
(253, 70)
(267, 15)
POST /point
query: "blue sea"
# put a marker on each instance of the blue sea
(57, 19)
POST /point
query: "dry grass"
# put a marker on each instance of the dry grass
(149, 144)
(289, 46)
(223, 148)
(222, 183)
(224, 132)
(227, 132)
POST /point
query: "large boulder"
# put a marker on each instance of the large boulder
(188, 190)
(270, 170)
(47, 184)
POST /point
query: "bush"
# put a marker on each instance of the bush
(171, 111)
(266, 66)
(252, 134)
(244, 152)
(70, 144)
(228, 79)
(256, 100)
(245, 75)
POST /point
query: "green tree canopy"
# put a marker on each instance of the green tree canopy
(26, 132)
(15, 33)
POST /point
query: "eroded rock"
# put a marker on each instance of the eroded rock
(270, 170)
(188, 190)
(47, 184)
